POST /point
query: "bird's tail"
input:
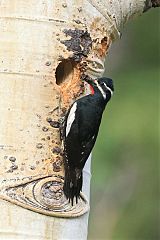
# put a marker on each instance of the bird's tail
(72, 184)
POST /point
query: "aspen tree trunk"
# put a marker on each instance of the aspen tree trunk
(45, 48)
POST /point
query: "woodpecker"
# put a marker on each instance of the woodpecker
(80, 131)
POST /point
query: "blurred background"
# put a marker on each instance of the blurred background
(124, 189)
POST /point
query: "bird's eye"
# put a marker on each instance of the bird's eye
(100, 83)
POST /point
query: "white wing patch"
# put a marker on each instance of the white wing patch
(71, 118)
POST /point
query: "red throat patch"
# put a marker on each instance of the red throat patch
(92, 90)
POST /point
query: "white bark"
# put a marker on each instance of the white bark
(33, 42)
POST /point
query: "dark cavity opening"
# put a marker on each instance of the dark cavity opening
(64, 71)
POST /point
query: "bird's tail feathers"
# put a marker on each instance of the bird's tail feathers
(72, 184)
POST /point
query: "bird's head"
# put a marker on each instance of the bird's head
(103, 86)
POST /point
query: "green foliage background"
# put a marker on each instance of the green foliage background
(124, 191)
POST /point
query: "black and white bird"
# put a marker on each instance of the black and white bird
(80, 132)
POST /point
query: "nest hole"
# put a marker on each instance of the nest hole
(64, 71)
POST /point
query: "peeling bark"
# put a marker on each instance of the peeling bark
(151, 4)
(155, 3)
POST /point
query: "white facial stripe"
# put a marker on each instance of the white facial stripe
(108, 89)
(100, 89)
(71, 118)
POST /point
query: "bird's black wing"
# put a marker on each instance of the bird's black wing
(89, 120)
(81, 130)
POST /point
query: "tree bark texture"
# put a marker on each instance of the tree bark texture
(45, 48)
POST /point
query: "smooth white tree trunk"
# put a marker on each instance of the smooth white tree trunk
(45, 48)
